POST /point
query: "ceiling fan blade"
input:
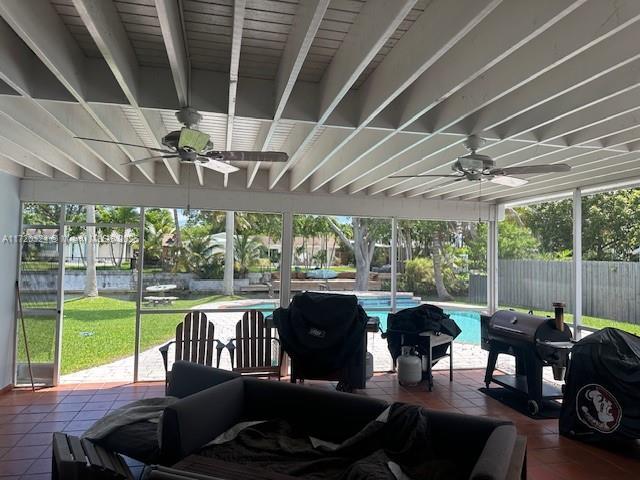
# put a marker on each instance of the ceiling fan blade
(150, 159)
(531, 169)
(509, 181)
(425, 176)
(248, 156)
(125, 144)
(218, 166)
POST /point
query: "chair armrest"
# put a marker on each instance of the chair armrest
(495, 459)
(194, 421)
(164, 351)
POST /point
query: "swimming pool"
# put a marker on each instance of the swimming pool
(468, 321)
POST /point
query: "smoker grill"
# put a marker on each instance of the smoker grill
(535, 342)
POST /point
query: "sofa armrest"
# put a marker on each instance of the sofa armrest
(194, 421)
(326, 414)
(456, 432)
(495, 459)
(188, 378)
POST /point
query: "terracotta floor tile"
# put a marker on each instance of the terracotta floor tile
(68, 407)
(9, 440)
(35, 439)
(26, 420)
(16, 428)
(36, 476)
(49, 427)
(42, 465)
(25, 453)
(14, 467)
(59, 416)
(90, 415)
(29, 417)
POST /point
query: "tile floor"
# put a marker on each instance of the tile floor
(27, 420)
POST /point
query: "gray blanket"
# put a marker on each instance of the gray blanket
(396, 444)
(147, 409)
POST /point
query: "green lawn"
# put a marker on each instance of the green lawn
(593, 322)
(100, 330)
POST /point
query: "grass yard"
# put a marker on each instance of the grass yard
(101, 330)
(593, 322)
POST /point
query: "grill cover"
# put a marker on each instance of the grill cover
(321, 331)
(602, 397)
(408, 323)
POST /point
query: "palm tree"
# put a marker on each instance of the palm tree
(247, 252)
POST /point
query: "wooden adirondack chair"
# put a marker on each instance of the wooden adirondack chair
(195, 342)
(252, 351)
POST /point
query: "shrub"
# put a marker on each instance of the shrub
(418, 275)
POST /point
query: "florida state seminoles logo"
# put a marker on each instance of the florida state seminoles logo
(598, 408)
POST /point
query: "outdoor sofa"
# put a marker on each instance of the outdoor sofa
(213, 400)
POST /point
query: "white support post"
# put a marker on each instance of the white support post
(62, 252)
(394, 263)
(577, 263)
(286, 256)
(492, 266)
(139, 294)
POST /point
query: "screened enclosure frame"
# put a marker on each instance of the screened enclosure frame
(285, 275)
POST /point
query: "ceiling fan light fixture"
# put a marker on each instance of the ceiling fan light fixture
(468, 163)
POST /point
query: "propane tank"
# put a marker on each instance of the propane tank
(409, 367)
(369, 366)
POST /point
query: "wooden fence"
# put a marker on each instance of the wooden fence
(609, 289)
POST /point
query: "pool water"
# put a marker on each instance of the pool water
(468, 321)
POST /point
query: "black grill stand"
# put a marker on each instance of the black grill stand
(527, 379)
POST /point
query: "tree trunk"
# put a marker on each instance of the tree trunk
(363, 255)
(91, 279)
(178, 233)
(229, 253)
(441, 289)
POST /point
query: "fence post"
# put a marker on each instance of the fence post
(577, 262)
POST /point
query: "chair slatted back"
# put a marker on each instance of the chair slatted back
(195, 339)
(253, 343)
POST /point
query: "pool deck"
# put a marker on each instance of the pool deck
(465, 356)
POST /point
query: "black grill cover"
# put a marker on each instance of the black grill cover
(411, 321)
(321, 331)
(602, 396)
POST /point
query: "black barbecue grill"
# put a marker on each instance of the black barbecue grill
(535, 342)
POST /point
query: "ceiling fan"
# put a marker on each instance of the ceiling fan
(477, 167)
(192, 146)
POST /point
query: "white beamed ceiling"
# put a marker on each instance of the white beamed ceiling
(355, 91)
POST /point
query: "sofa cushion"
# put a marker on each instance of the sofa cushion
(138, 441)
(327, 414)
(197, 419)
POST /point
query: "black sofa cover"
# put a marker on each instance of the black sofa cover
(483, 446)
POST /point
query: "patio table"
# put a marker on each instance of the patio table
(161, 289)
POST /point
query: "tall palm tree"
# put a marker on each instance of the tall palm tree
(247, 252)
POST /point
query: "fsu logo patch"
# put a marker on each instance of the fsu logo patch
(598, 408)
